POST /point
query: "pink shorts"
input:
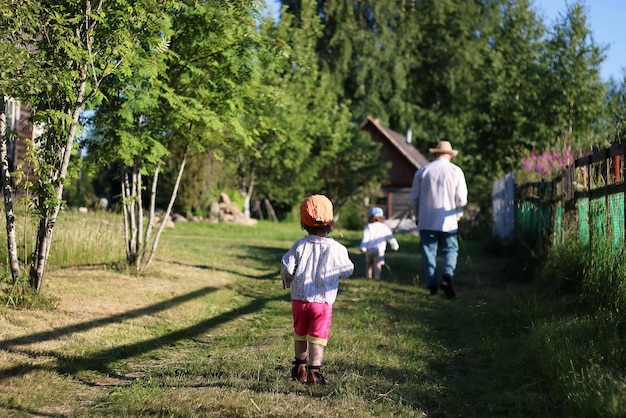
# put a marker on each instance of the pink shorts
(311, 321)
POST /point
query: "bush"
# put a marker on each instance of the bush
(352, 216)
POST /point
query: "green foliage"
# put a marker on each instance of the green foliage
(21, 295)
(491, 78)
(204, 179)
(573, 60)
(616, 100)
(352, 215)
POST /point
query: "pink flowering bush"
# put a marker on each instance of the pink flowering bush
(545, 166)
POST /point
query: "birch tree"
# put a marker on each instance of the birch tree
(16, 41)
(78, 44)
(193, 103)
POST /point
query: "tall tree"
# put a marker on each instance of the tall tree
(78, 45)
(575, 91)
(616, 100)
(485, 75)
(314, 147)
(193, 103)
(16, 42)
(506, 116)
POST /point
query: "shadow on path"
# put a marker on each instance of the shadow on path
(100, 360)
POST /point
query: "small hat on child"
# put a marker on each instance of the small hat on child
(316, 210)
(376, 211)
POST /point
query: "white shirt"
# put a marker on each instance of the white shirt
(312, 268)
(439, 194)
(376, 235)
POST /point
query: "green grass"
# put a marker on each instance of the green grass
(207, 332)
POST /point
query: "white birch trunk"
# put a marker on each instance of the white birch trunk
(151, 216)
(155, 243)
(139, 208)
(46, 225)
(7, 191)
(246, 192)
(126, 217)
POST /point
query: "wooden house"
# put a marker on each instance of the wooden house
(19, 125)
(405, 159)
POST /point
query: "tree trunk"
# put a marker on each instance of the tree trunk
(246, 187)
(151, 216)
(167, 213)
(7, 191)
(130, 220)
(46, 224)
(139, 207)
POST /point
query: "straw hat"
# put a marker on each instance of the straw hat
(444, 147)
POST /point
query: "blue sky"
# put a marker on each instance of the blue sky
(607, 20)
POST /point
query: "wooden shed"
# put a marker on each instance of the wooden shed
(18, 121)
(405, 159)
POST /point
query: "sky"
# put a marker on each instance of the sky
(607, 21)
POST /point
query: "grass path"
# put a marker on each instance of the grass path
(207, 333)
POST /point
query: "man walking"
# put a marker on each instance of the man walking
(439, 196)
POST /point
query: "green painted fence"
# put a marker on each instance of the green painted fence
(588, 198)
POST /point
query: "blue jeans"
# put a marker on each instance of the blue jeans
(430, 242)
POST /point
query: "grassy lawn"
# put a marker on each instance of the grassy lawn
(207, 332)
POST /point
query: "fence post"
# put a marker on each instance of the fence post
(623, 186)
(588, 169)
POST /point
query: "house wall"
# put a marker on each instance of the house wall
(401, 171)
(394, 202)
(394, 195)
(21, 129)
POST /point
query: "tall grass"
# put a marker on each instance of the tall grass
(93, 238)
(582, 341)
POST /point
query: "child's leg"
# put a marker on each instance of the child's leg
(378, 267)
(300, 349)
(370, 268)
(316, 354)
(379, 260)
(314, 375)
(299, 370)
(317, 339)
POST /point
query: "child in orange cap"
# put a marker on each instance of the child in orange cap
(376, 235)
(312, 268)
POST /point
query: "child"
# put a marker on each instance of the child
(374, 243)
(312, 268)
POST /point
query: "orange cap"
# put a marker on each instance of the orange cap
(316, 210)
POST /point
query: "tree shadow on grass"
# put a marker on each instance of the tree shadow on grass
(100, 360)
(249, 255)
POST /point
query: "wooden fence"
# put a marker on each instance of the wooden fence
(590, 193)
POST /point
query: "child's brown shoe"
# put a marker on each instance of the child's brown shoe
(315, 377)
(298, 372)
